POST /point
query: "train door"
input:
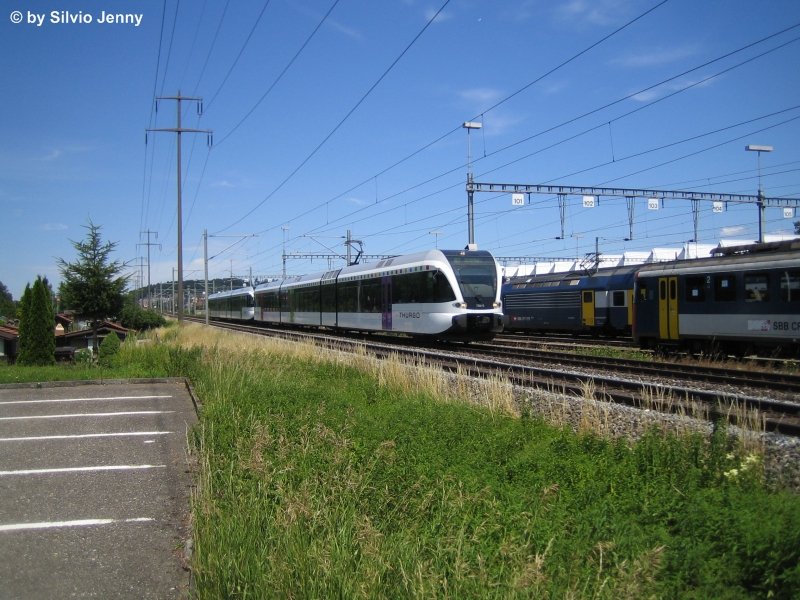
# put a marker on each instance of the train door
(587, 308)
(668, 308)
(386, 303)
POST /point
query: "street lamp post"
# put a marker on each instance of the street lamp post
(760, 203)
(469, 126)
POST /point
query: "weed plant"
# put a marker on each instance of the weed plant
(325, 476)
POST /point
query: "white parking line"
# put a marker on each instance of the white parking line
(71, 416)
(3, 403)
(76, 523)
(39, 438)
(80, 469)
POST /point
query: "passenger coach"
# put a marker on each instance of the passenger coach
(236, 305)
(453, 294)
(572, 302)
(745, 299)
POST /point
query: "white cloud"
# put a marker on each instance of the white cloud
(223, 183)
(593, 12)
(53, 227)
(733, 231)
(356, 201)
(480, 97)
(654, 57)
(440, 18)
(53, 154)
(668, 88)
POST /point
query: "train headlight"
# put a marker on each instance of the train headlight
(497, 304)
(460, 304)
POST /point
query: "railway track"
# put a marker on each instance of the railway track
(773, 381)
(678, 388)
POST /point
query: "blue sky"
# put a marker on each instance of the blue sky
(353, 121)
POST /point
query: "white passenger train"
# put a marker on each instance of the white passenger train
(445, 294)
(232, 305)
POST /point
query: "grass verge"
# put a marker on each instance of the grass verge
(333, 476)
(329, 475)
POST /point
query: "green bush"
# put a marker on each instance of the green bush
(83, 357)
(108, 351)
(135, 317)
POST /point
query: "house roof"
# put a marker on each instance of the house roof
(63, 318)
(104, 328)
(8, 333)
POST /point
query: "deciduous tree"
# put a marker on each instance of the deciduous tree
(7, 307)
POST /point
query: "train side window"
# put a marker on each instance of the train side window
(618, 298)
(695, 289)
(588, 297)
(756, 287)
(790, 286)
(724, 288)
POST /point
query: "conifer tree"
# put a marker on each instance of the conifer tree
(24, 310)
(92, 285)
(38, 330)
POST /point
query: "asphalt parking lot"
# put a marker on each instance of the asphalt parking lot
(94, 491)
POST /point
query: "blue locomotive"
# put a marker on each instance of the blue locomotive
(580, 302)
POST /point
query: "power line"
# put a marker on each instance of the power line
(211, 48)
(178, 130)
(575, 136)
(342, 121)
(169, 49)
(481, 115)
(280, 76)
(146, 207)
(239, 55)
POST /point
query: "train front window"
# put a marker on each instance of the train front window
(476, 274)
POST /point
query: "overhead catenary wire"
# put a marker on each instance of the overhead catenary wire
(169, 48)
(373, 177)
(342, 121)
(239, 55)
(280, 75)
(211, 47)
(594, 111)
(482, 114)
(145, 194)
(263, 97)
